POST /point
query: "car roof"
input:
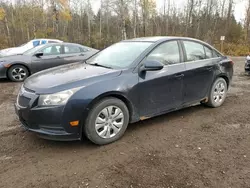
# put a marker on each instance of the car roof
(159, 39)
(62, 43)
(46, 39)
(67, 43)
(155, 39)
(71, 43)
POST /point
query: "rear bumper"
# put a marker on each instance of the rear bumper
(247, 66)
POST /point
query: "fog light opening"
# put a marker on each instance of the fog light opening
(74, 123)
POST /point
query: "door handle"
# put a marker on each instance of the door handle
(179, 75)
(210, 68)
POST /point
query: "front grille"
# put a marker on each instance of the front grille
(23, 101)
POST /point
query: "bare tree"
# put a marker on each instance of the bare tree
(190, 8)
(100, 31)
(135, 17)
(223, 8)
(76, 21)
(247, 21)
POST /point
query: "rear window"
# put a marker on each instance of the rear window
(209, 53)
(51, 41)
(216, 54)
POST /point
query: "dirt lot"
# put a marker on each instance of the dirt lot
(194, 147)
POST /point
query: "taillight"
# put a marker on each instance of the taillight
(231, 61)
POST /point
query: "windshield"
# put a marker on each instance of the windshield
(33, 50)
(119, 55)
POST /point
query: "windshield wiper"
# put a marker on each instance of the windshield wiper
(99, 65)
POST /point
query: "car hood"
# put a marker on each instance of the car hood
(11, 51)
(15, 58)
(7, 50)
(68, 77)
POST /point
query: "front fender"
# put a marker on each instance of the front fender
(121, 87)
(9, 64)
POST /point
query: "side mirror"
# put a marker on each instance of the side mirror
(151, 66)
(39, 54)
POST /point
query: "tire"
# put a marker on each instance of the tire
(102, 128)
(18, 73)
(217, 93)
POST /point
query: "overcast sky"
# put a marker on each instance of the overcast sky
(239, 8)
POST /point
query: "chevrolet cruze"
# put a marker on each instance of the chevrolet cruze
(127, 82)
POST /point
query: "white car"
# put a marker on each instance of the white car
(27, 46)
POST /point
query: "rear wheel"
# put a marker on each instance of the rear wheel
(18, 73)
(218, 93)
(107, 121)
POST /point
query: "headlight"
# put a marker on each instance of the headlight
(57, 98)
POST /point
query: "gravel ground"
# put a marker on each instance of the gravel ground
(194, 147)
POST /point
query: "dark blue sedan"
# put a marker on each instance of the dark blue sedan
(127, 82)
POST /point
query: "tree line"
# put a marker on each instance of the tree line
(76, 21)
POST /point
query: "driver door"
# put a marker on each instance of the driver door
(52, 57)
(162, 90)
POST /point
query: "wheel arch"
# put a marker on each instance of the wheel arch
(18, 63)
(120, 96)
(225, 77)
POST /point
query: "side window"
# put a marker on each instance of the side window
(71, 49)
(52, 50)
(194, 51)
(36, 43)
(209, 52)
(43, 42)
(166, 53)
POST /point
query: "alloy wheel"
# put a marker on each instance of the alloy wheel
(219, 92)
(18, 73)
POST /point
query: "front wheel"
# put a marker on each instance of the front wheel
(18, 73)
(107, 121)
(218, 93)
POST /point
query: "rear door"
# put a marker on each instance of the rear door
(74, 53)
(200, 68)
(52, 57)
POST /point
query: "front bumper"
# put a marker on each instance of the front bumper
(3, 71)
(48, 122)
